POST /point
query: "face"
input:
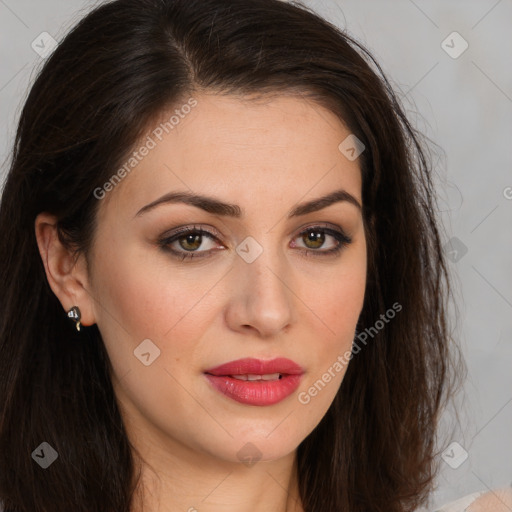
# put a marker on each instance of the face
(264, 278)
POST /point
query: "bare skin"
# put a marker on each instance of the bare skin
(497, 500)
(266, 157)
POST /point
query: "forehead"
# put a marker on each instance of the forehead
(240, 147)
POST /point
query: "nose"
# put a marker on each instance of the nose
(262, 300)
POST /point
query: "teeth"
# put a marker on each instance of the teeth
(269, 376)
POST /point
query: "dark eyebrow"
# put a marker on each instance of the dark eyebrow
(216, 207)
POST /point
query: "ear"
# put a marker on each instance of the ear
(66, 274)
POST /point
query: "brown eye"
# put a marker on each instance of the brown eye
(190, 242)
(186, 242)
(315, 238)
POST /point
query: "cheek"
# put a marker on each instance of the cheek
(144, 301)
(334, 301)
(143, 298)
(336, 296)
(337, 311)
(338, 300)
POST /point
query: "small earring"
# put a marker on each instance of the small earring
(74, 314)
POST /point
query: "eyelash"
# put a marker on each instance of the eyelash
(342, 239)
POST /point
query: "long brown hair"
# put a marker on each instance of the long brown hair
(110, 77)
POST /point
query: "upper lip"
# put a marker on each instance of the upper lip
(254, 366)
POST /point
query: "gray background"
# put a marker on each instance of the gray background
(463, 104)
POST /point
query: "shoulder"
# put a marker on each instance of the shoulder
(495, 500)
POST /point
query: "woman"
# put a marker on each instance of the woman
(224, 283)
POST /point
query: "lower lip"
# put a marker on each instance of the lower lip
(259, 392)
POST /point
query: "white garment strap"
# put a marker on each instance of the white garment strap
(461, 504)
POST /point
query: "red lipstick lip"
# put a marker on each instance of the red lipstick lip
(255, 366)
